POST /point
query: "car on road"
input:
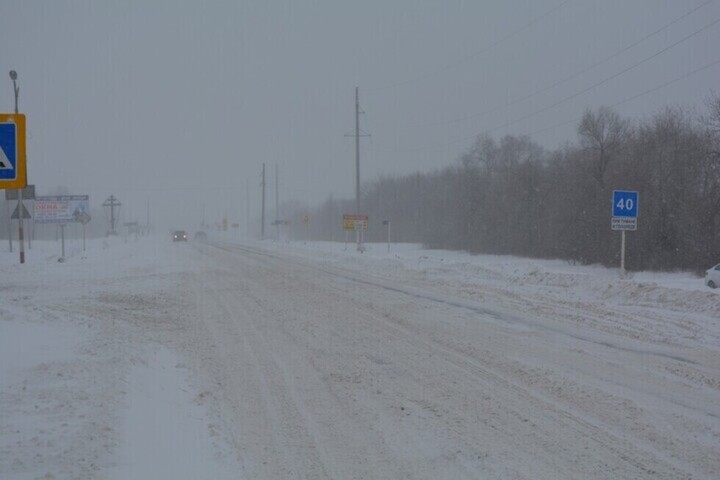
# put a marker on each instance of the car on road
(712, 277)
(179, 236)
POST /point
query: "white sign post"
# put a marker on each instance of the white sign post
(624, 217)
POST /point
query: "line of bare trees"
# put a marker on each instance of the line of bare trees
(510, 196)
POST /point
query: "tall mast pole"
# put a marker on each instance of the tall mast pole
(262, 206)
(357, 136)
(357, 151)
(21, 233)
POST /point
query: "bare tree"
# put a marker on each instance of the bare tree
(605, 133)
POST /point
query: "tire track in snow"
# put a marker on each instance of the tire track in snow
(471, 367)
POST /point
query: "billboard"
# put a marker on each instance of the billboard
(355, 222)
(61, 208)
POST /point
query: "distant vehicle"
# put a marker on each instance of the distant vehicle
(200, 236)
(179, 236)
(712, 277)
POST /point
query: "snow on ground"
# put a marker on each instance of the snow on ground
(168, 428)
(674, 307)
(141, 358)
(83, 395)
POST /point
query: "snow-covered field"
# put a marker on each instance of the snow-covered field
(230, 359)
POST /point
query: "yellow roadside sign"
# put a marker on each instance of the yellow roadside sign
(355, 222)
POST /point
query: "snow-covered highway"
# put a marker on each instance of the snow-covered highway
(310, 362)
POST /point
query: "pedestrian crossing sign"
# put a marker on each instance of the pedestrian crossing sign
(13, 173)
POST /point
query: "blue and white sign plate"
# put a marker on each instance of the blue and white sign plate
(624, 210)
(12, 151)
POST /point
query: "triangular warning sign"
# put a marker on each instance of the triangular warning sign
(26, 214)
(4, 161)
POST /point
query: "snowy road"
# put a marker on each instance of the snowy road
(322, 369)
(332, 373)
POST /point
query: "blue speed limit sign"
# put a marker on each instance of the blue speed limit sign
(625, 204)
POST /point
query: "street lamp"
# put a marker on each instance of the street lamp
(16, 89)
(21, 239)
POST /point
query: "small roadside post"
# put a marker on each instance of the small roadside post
(624, 217)
(306, 220)
(62, 243)
(361, 224)
(83, 217)
(387, 224)
(348, 226)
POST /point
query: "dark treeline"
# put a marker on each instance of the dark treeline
(510, 196)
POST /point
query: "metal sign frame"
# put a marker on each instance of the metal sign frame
(16, 154)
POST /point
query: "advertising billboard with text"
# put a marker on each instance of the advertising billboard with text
(61, 208)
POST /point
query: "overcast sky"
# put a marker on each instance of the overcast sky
(180, 102)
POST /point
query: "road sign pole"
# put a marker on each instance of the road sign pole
(31, 230)
(20, 226)
(9, 222)
(32, 223)
(622, 254)
(62, 240)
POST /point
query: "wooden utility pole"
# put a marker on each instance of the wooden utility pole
(357, 151)
(357, 136)
(277, 203)
(262, 206)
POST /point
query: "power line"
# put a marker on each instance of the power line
(634, 97)
(607, 79)
(472, 56)
(566, 122)
(585, 90)
(572, 76)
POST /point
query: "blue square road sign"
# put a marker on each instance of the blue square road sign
(625, 204)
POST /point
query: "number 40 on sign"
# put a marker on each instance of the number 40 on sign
(625, 204)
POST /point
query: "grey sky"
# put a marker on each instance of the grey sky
(180, 102)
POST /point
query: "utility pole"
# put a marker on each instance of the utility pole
(247, 207)
(357, 136)
(357, 151)
(112, 202)
(277, 203)
(262, 206)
